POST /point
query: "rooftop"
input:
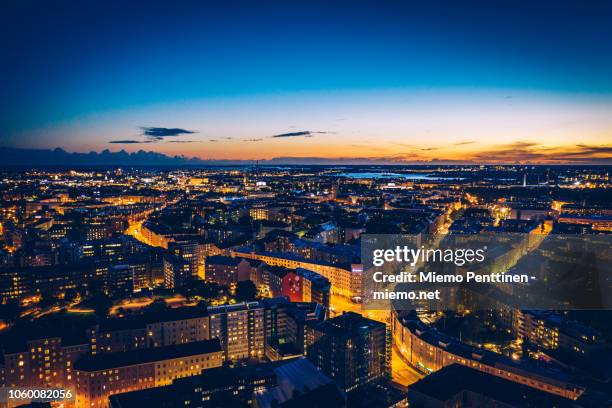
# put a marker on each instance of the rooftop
(446, 383)
(114, 360)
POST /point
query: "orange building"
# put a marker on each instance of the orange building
(100, 376)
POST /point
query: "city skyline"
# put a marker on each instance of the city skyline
(227, 286)
(305, 204)
(341, 82)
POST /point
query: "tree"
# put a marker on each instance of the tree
(101, 304)
(210, 290)
(157, 307)
(96, 287)
(47, 299)
(11, 310)
(146, 292)
(70, 295)
(246, 291)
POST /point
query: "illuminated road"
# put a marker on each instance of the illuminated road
(401, 372)
(135, 227)
(135, 304)
(340, 304)
(173, 302)
(135, 230)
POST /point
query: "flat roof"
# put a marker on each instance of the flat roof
(100, 362)
(451, 380)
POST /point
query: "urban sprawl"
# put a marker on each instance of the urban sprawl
(242, 287)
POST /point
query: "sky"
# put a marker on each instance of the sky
(481, 81)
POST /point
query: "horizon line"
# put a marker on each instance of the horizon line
(282, 160)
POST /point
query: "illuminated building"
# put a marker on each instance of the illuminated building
(141, 273)
(13, 285)
(95, 231)
(190, 252)
(278, 280)
(551, 331)
(301, 285)
(279, 241)
(286, 326)
(155, 235)
(115, 338)
(324, 233)
(180, 326)
(300, 384)
(196, 181)
(177, 271)
(429, 351)
(597, 222)
(112, 249)
(45, 362)
(458, 385)
(523, 211)
(351, 349)
(244, 329)
(215, 387)
(119, 280)
(240, 328)
(18, 283)
(345, 280)
(190, 327)
(315, 287)
(292, 286)
(99, 376)
(226, 270)
(257, 385)
(259, 213)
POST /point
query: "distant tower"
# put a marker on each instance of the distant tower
(525, 180)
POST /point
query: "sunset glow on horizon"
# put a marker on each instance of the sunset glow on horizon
(407, 82)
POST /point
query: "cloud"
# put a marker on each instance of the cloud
(467, 142)
(583, 153)
(252, 140)
(430, 148)
(164, 132)
(213, 140)
(520, 145)
(522, 152)
(157, 134)
(601, 149)
(130, 141)
(511, 153)
(303, 133)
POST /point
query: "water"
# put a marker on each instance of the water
(407, 176)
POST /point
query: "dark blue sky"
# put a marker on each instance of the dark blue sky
(89, 62)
